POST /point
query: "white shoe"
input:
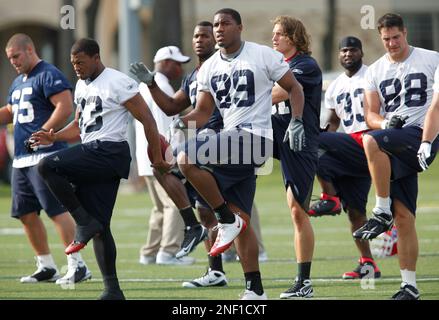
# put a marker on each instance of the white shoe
(147, 259)
(251, 295)
(42, 274)
(227, 232)
(75, 273)
(165, 258)
(212, 278)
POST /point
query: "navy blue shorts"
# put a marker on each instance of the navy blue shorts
(31, 194)
(298, 168)
(402, 146)
(343, 162)
(232, 157)
(95, 170)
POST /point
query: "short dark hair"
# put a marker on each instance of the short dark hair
(204, 24)
(232, 12)
(89, 46)
(390, 20)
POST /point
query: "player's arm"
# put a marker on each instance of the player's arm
(170, 105)
(431, 123)
(202, 112)
(292, 90)
(70, 133)
(372, 105)
(139, 109)
(63, 104)
(333, 121)
(6, 114)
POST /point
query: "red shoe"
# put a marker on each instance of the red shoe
(75, 246)
(326, 206)
(84, 233)
(361, 270)
(227, 232)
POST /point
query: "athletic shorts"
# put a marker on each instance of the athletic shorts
(94, 169)
(342, 162)
(31, 194)
(402, 147)
(298, 168)
(232, 157)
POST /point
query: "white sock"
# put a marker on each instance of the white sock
(46, 260)
(383, 203)
(77, 257)
(408, 277)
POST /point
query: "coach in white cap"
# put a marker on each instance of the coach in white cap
(170, 53)
(166, 227)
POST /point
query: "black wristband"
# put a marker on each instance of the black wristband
(42, 129)
(426, 141)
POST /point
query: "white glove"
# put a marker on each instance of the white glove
(424, 153)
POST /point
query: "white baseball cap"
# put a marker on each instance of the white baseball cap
(172, 53)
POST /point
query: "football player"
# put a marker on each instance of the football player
(85, 178)
(237, 80)
(40, 98)
(398, 91)
(295, 130)
(431, 126)
(343, 173)
(185, 197)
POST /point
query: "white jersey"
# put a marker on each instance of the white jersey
(241, 88)
(162, 120)
(100, 102)
(345, 96)
(436, 80)
(404, 88)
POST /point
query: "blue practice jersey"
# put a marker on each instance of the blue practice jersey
(308, 74)
(29, 97)
(189, 86)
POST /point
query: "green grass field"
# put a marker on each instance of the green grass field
(334, 253)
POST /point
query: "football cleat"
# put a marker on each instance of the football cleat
(42, 274)
(165, 258)
(300, 289)
(379, 223)
(251, 295)
(326, 206)
(75, 246)
(212, 278)
(362, 270)
(75, 273)
(227, 232)
(112, 295)
(84, 233)
(192, 237)
(407, 292)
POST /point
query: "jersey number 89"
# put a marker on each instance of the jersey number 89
(241, 87)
